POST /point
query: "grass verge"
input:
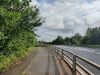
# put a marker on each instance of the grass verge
(14, 58)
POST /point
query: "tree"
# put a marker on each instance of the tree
(67, 41)
(18, 21)
(59, 40)
(76, 39)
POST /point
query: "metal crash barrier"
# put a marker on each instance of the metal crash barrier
(77, 63)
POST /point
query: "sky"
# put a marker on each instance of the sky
(67, 17)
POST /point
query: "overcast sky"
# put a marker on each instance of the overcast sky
(67, 17)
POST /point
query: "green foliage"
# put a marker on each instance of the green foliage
(92, 37)
(18, 21)
(67, 41)
(74, 40)
(59, 40)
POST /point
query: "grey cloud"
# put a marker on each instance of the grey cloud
(65, 17)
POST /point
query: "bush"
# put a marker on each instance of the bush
(18, 21)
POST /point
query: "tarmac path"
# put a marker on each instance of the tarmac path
(42, 62)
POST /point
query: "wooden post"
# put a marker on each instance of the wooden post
(62, 54)
(57, 52)
(74, 65)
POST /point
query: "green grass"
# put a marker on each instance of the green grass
(14, 58)
(94, 46)
(89, 46)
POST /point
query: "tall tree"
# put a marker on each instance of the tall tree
(59, 40)
(18, 21)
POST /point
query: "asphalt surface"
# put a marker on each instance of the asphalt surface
(87, 53)
(41, 62)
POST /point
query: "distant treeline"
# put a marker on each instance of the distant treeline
(92, 37)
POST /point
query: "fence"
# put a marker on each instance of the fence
(77, 63)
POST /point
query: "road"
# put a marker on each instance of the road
(42, 62)
(88, 53)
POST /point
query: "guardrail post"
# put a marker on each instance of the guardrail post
(54, 50)
(57, 52)
(62, 54)
(74, 65)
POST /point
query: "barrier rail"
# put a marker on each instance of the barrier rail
(75, 61)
